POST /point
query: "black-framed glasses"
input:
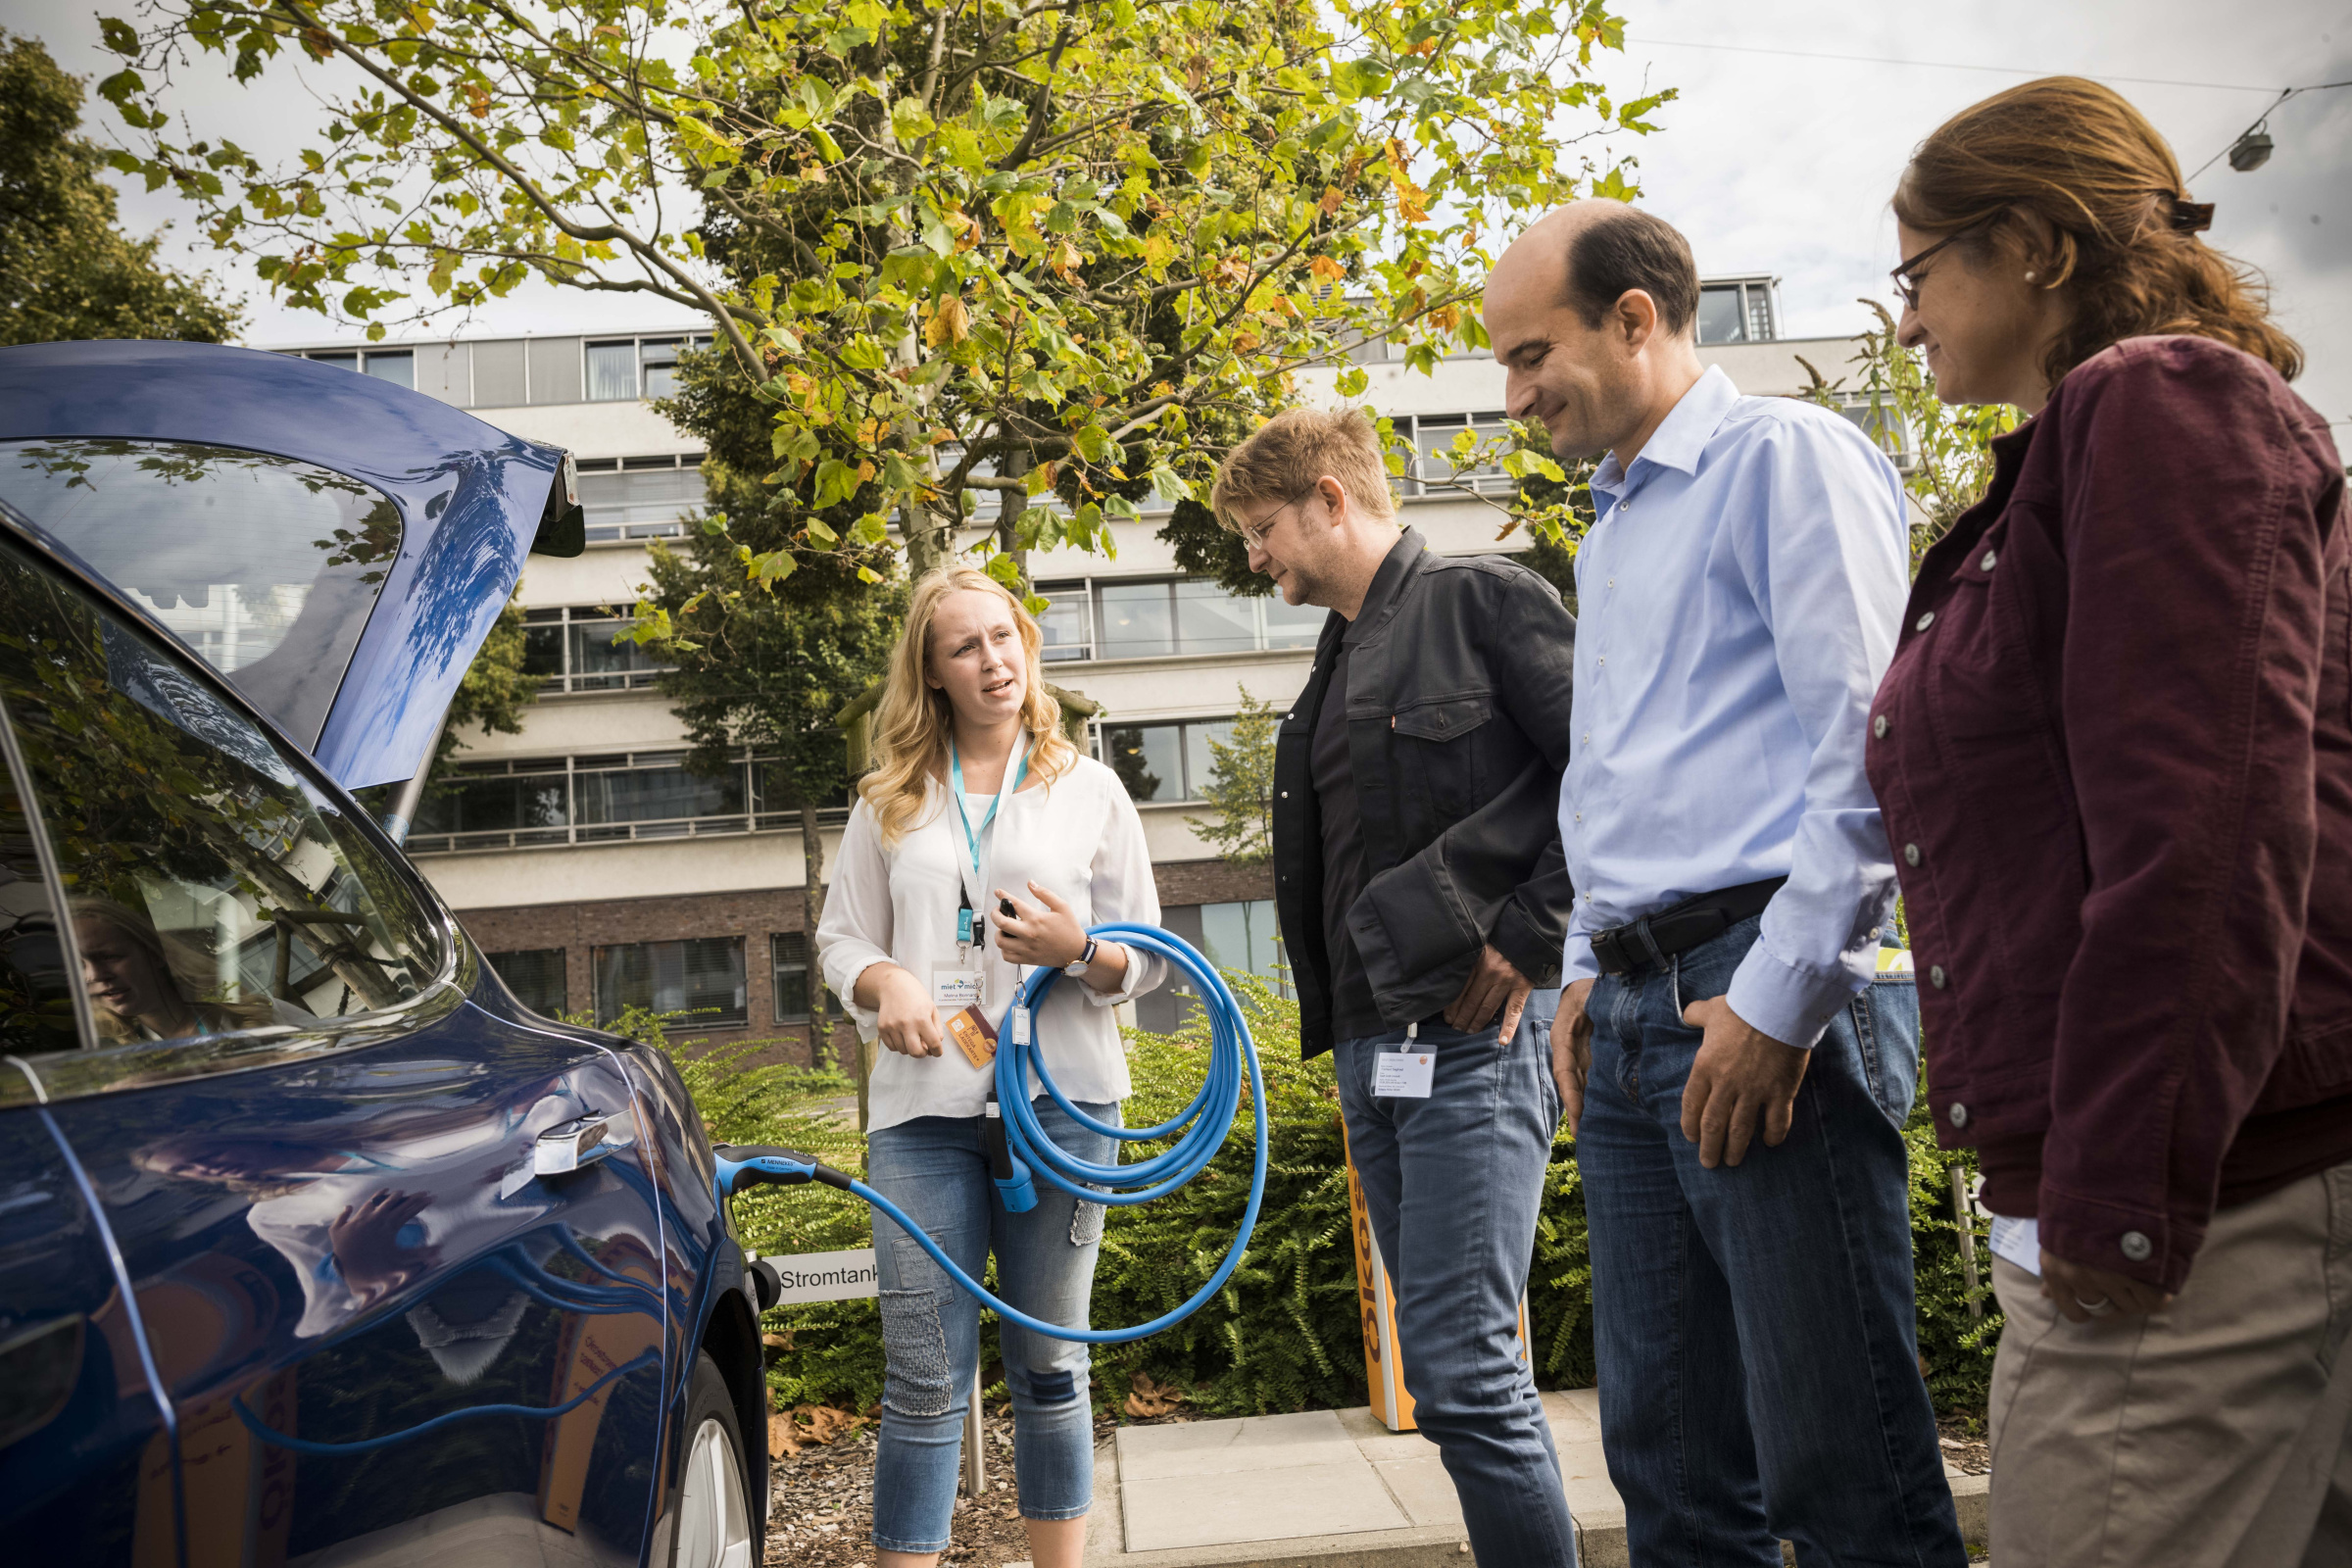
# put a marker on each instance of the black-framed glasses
(1906, 282)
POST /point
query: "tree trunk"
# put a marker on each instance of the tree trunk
(1009, 506)
(813, 911)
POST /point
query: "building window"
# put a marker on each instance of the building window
(573, 650)
(1242, 936)
(642, 796)
(592, 800)
(396, 365)
(1165, 761)
(1878, 419)
(699, 977)
(536, 978)
(638, 498)
(1432, 436)
(1737, 310)
(788, 953)
(1159, 620)
(621, 370)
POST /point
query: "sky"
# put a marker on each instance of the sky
(1773, 159)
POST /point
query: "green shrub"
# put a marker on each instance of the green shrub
(1955, 1350)
(1282, 1333)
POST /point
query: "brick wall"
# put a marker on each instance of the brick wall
(1183, 882)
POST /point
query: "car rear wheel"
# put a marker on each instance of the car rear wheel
(714, 1517)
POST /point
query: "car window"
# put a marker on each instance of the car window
(36, 998)
(266, 566)
(210, 886)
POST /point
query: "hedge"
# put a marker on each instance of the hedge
(1283, 1334)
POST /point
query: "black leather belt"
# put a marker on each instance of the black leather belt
(1680, 927)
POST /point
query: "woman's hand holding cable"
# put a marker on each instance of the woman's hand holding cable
(909, 1022)
(1047, 933)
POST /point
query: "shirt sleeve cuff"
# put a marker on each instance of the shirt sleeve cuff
(843, 963)
(1790, 1004)
(2139, 1242)
(1145, 972)
(1577, 961)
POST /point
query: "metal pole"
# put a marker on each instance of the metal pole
(411, 794)
(1968, 1241)
(975, 1462)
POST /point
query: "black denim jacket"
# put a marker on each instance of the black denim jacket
(1459, 678)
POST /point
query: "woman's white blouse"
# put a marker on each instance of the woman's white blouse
(896, 903)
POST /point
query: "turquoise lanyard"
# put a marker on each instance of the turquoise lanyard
(971, 836)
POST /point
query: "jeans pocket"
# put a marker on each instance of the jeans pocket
(1886, 1019)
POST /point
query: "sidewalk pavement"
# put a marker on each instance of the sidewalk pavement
(1335, 1488)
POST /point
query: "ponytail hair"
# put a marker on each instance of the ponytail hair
(2124, 233)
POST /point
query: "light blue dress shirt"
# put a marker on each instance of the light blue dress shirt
(1737, 603)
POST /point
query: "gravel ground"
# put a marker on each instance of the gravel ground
(1964, 1444)
(822, 1514)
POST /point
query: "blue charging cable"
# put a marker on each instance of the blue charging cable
(1020, 1154)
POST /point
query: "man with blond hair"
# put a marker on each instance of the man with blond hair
(1424, 898)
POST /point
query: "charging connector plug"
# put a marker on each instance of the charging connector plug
(1009, 1172)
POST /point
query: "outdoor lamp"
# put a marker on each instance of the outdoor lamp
(2250, 151)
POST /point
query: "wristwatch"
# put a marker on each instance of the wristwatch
(1076, 968)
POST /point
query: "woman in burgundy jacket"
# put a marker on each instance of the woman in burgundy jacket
(2115, 756)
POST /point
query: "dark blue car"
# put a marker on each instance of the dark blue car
(316, 1246)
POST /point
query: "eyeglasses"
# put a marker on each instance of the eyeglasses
(1254, 534)
(1906, 282)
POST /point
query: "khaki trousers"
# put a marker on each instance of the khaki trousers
(2216, 1434)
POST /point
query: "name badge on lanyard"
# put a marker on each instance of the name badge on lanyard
(969, 930)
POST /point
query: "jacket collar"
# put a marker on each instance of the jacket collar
(1681, 438)
(1381, 599)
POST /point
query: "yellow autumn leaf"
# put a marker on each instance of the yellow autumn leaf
(949, 323)
(1328, 270)
(1066, 259)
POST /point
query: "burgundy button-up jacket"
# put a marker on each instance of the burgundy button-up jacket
(2114, 754)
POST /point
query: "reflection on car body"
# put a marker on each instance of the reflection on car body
(284, 1276)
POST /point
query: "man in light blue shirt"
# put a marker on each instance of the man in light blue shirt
(1738, 601)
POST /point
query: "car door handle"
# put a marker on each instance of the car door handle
(571, 1144)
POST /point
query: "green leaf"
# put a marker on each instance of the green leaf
(822, 533)
(835, 482)
(871, 529)
(1352, 382)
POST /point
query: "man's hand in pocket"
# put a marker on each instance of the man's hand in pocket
(1572, 1049)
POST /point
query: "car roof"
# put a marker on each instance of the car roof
(471, 499)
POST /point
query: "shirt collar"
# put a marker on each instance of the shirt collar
(1681, 438)
(1385, 582)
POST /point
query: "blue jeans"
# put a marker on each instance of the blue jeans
(1759, 1370)
(1452, 1184)
(934, 1168)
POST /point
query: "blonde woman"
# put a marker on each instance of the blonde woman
(978, 805)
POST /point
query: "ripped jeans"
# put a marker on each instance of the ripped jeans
(933, 1167)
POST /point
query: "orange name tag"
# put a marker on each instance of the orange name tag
(974, 1036)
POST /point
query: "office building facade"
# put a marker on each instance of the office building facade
(600, 874)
